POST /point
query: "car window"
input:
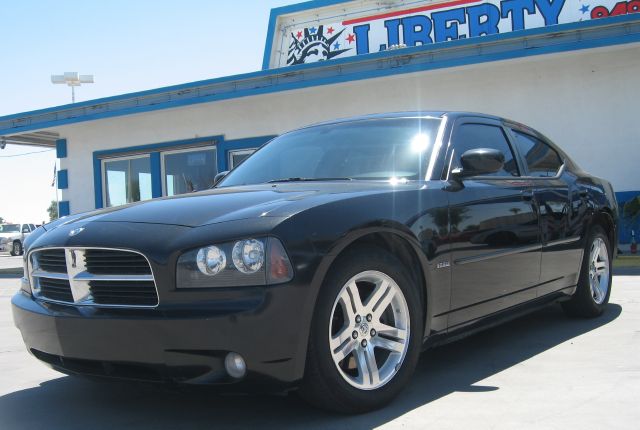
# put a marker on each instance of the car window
(473, 136)
(542, 160)
(32, 227)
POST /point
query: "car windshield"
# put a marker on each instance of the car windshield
(382, 149)
(9, 228)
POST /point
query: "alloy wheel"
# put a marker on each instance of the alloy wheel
(599, 270)
(369, 330)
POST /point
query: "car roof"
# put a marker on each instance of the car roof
(407, 114)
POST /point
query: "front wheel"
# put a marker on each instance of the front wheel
(366, 334)
(594, 283)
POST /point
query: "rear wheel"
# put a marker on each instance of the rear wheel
(17, 248)
(366, 334)
(594, 285)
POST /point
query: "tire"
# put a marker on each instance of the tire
(341, 386)
(17, 248)
(594, 284)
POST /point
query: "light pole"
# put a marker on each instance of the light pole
(73, 80)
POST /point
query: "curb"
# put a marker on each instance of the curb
(11, 271)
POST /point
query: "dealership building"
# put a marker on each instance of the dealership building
(568, 68)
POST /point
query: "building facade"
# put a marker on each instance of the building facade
(565, 67)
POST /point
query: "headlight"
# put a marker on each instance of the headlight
(260, 261)
(211, 260)
(248, 255)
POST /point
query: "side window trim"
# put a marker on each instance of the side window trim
(483, 121)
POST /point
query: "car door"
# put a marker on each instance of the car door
(495, 236)
(24, 231)
(561, 207)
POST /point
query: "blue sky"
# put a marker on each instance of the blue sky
(128, 46)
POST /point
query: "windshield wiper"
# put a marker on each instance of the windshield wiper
(308, 180)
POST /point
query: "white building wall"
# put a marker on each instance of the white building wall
(586, 101)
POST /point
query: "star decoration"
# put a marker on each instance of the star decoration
(336, 46)
(299, 35)
(330, 30)
(313, 30)
(584, 8)
(351, 38)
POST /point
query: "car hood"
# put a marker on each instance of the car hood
(8, 234)
(231, 203)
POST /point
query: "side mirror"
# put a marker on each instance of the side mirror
(480, 161)
(219, 177)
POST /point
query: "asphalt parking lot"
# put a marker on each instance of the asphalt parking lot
(541, 371)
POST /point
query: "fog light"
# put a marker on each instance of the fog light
(235, 365)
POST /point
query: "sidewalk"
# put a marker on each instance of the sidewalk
(10, 264)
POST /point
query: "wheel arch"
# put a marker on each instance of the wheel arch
(394, 240)
(603, 217)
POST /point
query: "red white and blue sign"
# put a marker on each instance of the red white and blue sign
(366, 27)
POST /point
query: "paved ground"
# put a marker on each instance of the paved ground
(7, 262)
(541, 371)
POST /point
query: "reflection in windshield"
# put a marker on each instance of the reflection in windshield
(394, 149)
(9, 228)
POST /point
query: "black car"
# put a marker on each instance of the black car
(326, 261)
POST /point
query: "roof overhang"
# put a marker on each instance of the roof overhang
(38, 138)
(547, 40)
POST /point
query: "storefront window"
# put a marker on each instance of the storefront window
(189, 170)
(237, 157)
(127, 180)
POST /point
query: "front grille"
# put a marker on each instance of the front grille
(108, 261)
(56, 289)
(52, 260)
(92, 276)
(125, 293)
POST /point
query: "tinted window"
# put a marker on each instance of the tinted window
(541, 159)
(473, 136)
(369, 149)
(32, 226)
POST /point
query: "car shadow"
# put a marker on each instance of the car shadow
(75, 403)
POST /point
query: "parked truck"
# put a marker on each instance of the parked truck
(12, 237)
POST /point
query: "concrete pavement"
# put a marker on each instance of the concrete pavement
(10, 264)
(541, 371)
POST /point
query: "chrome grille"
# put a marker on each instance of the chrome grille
(56, 289)
(109, 261)
(92, 277)
(52, 260)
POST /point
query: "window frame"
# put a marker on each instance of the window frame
(233, 152)
(163, 178)
(460, 121)
(512, 128)
(105, 160)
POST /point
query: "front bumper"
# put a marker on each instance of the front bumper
(184, 344)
